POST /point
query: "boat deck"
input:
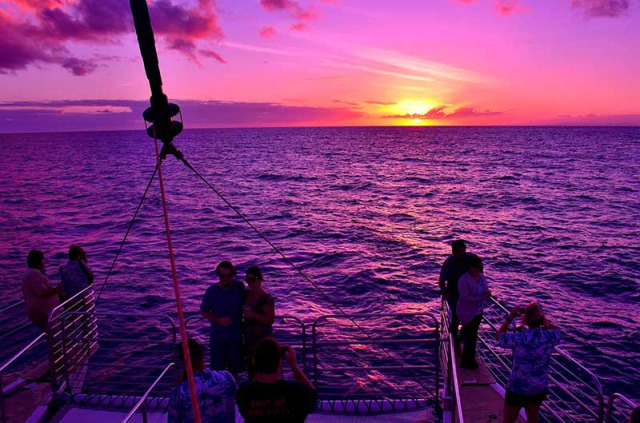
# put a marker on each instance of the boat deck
(481, 397)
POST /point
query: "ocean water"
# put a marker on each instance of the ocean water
(367, 213)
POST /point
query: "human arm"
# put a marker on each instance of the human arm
(222, 321)
(42, 287)
(298, 374)
(505, 325)
(267, 315)
(206, 310)
(468, 289)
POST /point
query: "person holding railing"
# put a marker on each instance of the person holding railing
(75, 275)
(453, 268)
(259, 314)
(40, 296)
(216, 391)
(533, 344)
(474, 290)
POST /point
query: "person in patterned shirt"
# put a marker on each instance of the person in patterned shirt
(216, 391)
(533, 344)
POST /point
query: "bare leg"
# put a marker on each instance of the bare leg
(510, 413)
(532, 412)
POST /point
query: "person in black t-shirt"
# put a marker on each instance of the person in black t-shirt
(270, 398)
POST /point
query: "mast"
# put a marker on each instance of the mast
(164, 128)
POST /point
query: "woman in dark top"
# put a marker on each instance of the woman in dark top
(259, 314)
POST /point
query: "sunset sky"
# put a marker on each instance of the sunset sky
(75, 64)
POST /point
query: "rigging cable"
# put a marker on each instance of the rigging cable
(293, 265)
(113, 263)
(174, 273)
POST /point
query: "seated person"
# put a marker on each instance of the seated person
(269, 398)
(215, 390)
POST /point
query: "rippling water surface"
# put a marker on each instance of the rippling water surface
(367, 213)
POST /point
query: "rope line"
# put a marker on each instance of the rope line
(113, 263)
(174, 273)
(293, 265)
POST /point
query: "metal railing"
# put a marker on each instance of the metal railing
(349, 363)
(619, 415)
(15, 326)
(141, 404)
(452, 404)
(14, 364)
(286, 329)
(575, 393)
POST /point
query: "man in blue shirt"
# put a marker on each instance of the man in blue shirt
(222, 306)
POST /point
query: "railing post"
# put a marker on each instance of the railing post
(144, 411)
(314, 338)
(4, 414)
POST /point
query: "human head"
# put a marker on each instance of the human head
(35, 259)
(226, 272)
(533, 315)
(458, 248)
(475, 264)
(254, 274)
(75, 252)
(196, 351)
(268, 356)
(635, 416)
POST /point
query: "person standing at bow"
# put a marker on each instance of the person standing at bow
(259, 314)
(453, 267)
(474, 290)
(222, 306)
(40, 296)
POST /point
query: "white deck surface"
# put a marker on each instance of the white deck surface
(83, 415)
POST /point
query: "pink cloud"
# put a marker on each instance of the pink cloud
(290, 6)
(440, 113)
(99, 114)
(41, 35)
(267, 32)
(507, 7)
(299, 27)
(380, 103)
(601, 8)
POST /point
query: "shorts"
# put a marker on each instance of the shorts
(515, 400)
(227, 355)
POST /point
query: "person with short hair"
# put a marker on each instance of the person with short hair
(40, 296)
(533, 344)
(216, 391)
(259, 314)
(75, 275)
(222, 306)
(474, 290)
(453, 268)
(269, 398)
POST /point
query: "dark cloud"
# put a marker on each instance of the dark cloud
(109, 115)
(601, 8)
(292, 7)
(212, 55)
(440, 113)
(41, 36)
(78, 66)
